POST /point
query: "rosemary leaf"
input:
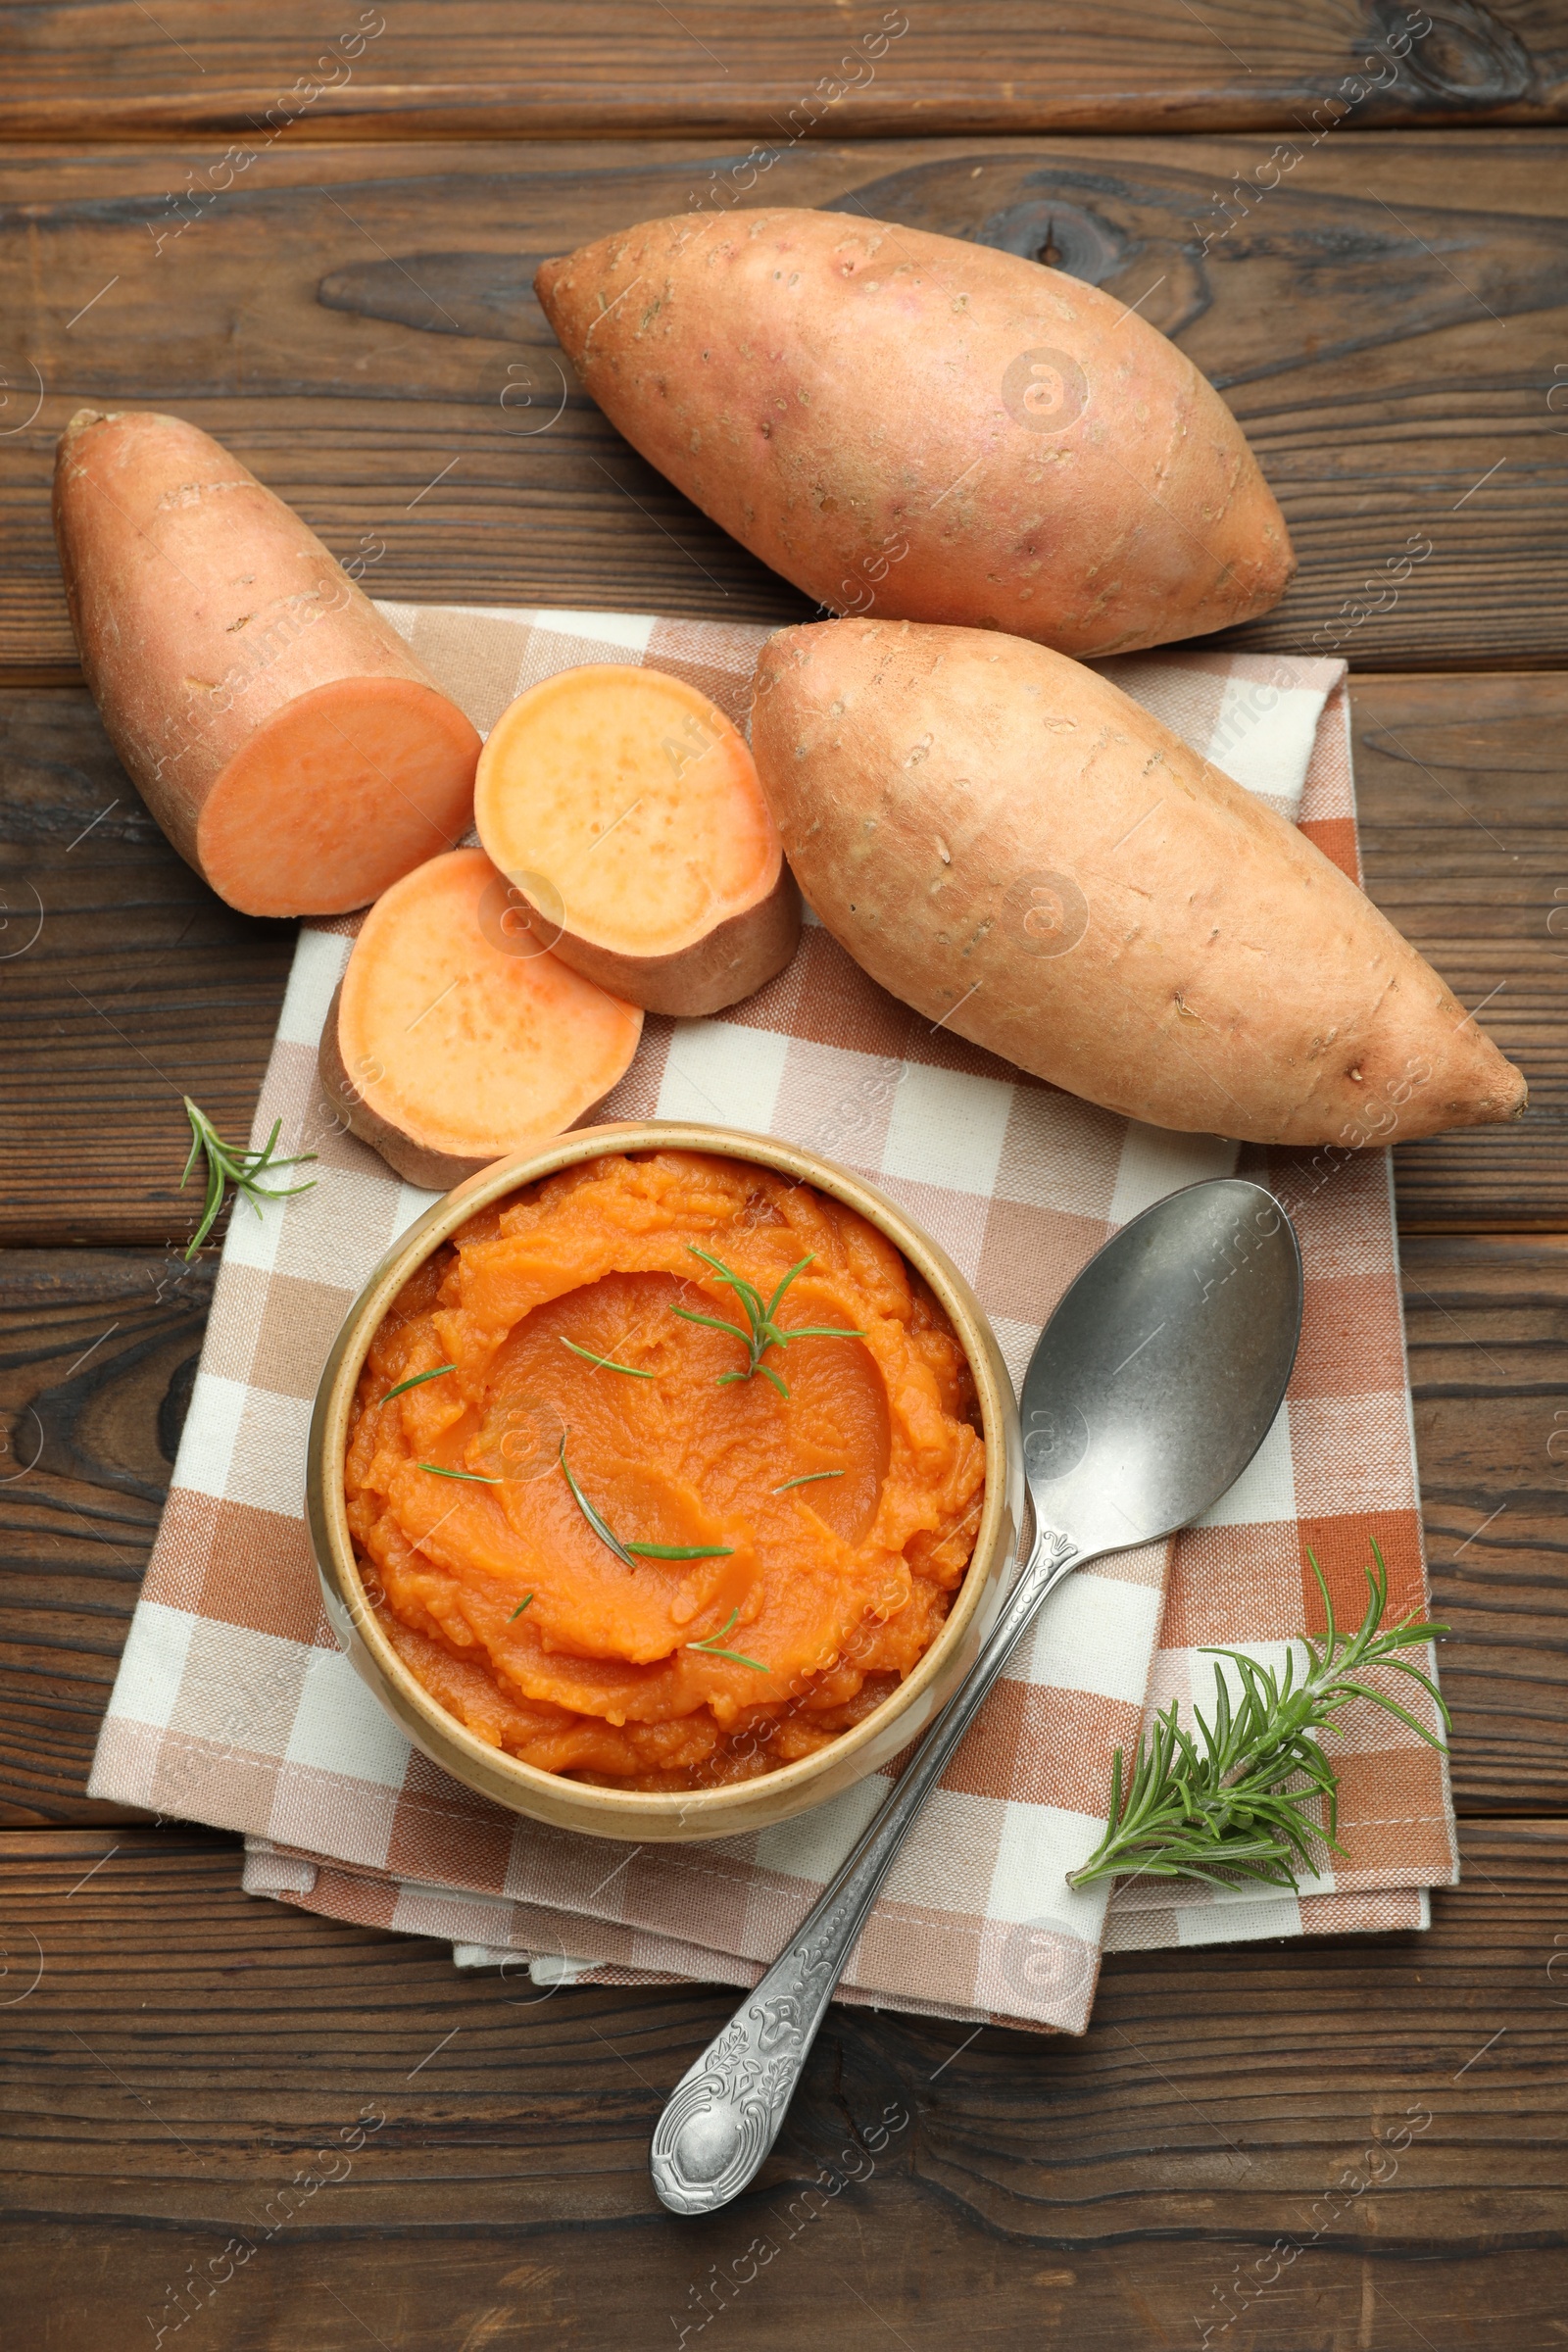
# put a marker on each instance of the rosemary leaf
(709, 1650)
(714, 1322)
(518, 1611)
(605, 1363)
(648, 1551)
(767, 1372)
(682, 1551)
(819, 1331)
(416, 1380)
(472, 1476)
(598, 1525)
(1238, 1797)
(808, 1478)
(229, 1165)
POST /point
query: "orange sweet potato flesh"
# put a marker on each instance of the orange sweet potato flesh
(625, 806)
(452, 1040)
(925, 428)
(278, 728)
(834, 1589)
(1018, 850)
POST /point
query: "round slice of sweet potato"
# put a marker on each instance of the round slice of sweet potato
(453, 1039)
(624, 807)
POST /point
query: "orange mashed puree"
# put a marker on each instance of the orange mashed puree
(556, 1642)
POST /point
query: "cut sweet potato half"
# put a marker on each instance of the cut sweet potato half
(624, 808)
(453, 1039)
(276, 724)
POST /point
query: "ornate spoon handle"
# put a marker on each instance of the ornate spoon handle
(725, 2112)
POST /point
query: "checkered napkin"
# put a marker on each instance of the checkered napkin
(234, 1706)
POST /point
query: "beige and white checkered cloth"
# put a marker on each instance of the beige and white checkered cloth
(234, 1706)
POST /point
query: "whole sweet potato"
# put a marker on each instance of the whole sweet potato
(924, 426)
(278, 728)
(1016, 848)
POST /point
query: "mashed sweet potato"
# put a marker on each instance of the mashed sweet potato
(766, 1566)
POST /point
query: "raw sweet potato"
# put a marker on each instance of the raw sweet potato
(452, 1040)
(280, 730)
(624, 808)
(1012, 845)
(926, 427)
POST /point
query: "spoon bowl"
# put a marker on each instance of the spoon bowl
(1158, 1378)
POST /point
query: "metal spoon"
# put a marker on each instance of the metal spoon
(1150, 1391)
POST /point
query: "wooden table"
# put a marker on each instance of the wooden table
(1377, 276)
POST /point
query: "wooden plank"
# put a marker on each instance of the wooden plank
(128, 985)
(98, 1349)
(741, 67)
(317, 2287)
(1465, 847)
(1383, 2114)
(357, 323)
(98, 1352)
(1486, 1327)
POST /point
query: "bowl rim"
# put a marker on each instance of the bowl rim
(704, 1813)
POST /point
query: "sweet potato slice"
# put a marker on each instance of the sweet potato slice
(1022, 853)
(624, 808)
(278, 728)
(453, 1039)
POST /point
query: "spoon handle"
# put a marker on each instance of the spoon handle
(725, 2114)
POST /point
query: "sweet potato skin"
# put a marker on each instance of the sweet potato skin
(911, 423)
(204, 608)
(432, 1171)
(1007, 842)
(417, 1163)
(737, 957)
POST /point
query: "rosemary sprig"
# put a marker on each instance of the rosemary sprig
(808, 1478)
(709, 1650)
(518, 1611)
(762, 1332)
(629, 1554)
(605, 1363)
(472, 1476)
(1218, 1804)
(227, 1164)
(416, 1380)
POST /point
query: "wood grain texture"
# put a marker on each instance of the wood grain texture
(98, 1352)
(356, 321)
(1384, 313)
(1486, 1327)
(98, 1349)
(184, 2054)
(1464, 841)
(408, 69)
(128, 984)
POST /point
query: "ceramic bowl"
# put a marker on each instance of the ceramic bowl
(652, 1816)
